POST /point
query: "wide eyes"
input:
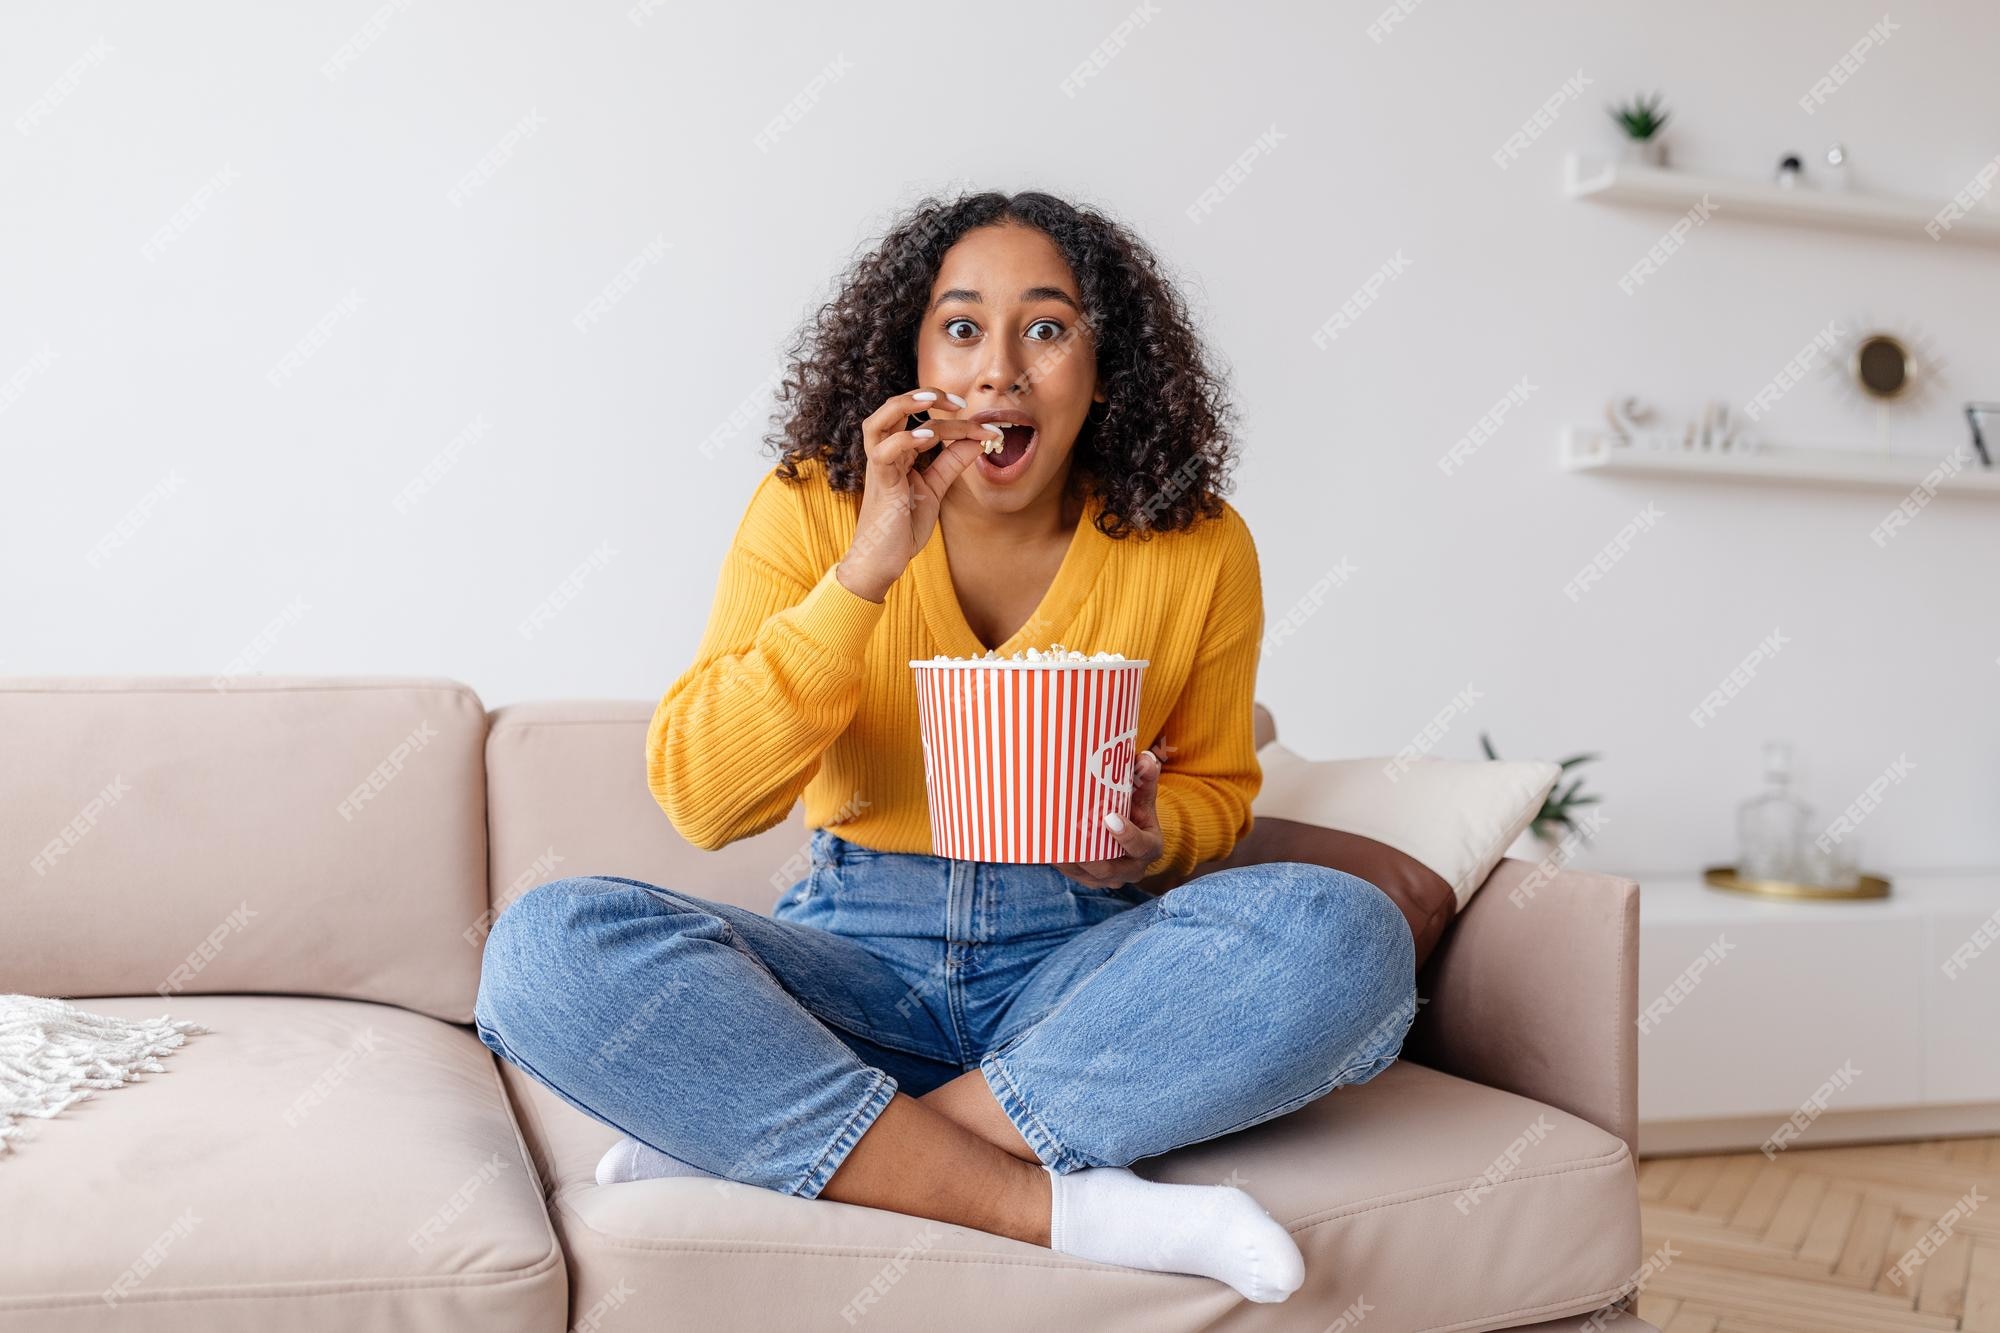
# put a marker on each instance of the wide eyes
(1054, 329)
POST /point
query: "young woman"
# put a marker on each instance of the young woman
(985, 1044)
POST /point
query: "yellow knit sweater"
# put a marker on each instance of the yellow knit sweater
(801, 687)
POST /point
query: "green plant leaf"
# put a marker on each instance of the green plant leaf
(1642, 117)
(1487, 745)
(1578, 759)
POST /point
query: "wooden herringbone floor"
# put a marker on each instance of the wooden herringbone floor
(1812, 1242)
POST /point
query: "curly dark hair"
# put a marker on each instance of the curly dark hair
(1157, 453)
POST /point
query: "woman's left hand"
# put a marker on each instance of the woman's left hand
(1139, 835)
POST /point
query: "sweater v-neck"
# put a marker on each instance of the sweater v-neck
(1045, 624)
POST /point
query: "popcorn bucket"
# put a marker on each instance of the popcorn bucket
(1022, 759)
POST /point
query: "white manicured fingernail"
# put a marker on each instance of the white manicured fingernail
(995, 429)
(927, 396)
(923, 432)
(1113, 822)
(956, 401)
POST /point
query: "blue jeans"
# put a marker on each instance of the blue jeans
(1110, 1024)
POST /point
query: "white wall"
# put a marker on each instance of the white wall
(121, 369)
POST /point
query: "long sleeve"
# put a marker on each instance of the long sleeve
(777, 677)
(1208, 783)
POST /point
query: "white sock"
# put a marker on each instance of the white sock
(630, 1159)
(1110, 1215)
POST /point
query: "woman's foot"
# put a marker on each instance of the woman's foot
(630, 1159)
(1112, 1216)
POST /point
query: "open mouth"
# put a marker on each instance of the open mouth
(1002, 455)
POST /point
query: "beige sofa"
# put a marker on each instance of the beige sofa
(308, 867)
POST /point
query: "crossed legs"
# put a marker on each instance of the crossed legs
(1247, 993)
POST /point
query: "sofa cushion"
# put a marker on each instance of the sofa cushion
(183, 836)
(1443, 1204)
(305, 1164)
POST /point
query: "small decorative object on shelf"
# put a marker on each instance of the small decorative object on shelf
(1829, 863)
(1719, 428)
(1642, 119)
(1837, 175)
(1790, 168)
(1770, 827)
(1726, 877)
(1973, 411)
(1665, 453)
(1777, 859)
(1629, 418)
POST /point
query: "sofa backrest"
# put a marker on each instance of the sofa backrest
(566, 795)
(349, 836)
(310, 835)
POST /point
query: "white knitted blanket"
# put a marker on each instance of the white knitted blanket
(53, 1054)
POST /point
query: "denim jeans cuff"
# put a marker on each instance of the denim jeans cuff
(1008, 1094)
(850, 1133)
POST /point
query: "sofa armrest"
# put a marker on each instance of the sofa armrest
(1534, 990)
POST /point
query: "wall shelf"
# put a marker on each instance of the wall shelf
(1678, 191)
(1593, 449)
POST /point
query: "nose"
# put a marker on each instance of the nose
(1000, 366)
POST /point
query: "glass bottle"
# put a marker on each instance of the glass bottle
(1770, 827)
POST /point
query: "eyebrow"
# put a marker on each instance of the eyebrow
(1032, 294)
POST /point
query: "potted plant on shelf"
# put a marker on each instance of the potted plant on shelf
(1558, 816)
(1641, 120)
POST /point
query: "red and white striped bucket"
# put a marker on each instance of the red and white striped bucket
(1023, 759)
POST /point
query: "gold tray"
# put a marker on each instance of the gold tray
(1725, 877)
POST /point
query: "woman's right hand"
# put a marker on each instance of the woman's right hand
(899, 504)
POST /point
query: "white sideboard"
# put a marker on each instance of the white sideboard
(1852, 1016)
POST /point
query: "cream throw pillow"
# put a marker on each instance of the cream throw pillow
(1456, 816)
